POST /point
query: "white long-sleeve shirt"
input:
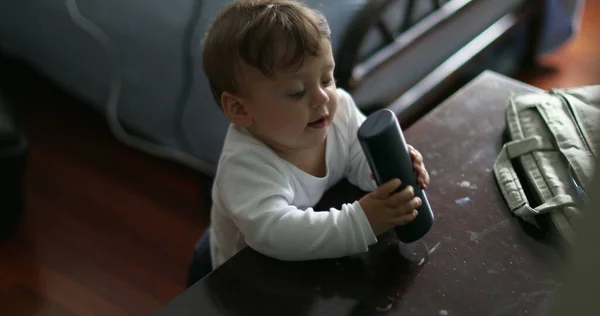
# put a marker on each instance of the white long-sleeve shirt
(265, 202)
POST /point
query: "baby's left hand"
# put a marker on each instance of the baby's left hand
(422, 174)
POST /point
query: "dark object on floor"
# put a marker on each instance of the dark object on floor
(13, 153)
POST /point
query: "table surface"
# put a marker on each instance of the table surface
(481, 261)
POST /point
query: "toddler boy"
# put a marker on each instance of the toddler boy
(293, 136)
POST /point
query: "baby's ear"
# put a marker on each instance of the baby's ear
(234, 109)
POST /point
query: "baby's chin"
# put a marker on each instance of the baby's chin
(316, 136)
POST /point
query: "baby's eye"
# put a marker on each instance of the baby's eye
(328, 82)
(298, 94)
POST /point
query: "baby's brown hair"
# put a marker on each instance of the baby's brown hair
(269, 35)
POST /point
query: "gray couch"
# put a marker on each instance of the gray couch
(395, 52)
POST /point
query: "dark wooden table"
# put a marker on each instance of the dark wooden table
(481, 261)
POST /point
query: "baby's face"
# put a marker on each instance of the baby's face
(293, 110)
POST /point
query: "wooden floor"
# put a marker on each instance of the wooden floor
(109, 231)
(576, 63)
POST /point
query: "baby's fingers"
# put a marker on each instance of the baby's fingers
(413, 204)
(423, 182)
(406, 218)
(422, 175)
(385, 190)
(401, 197)
(415, 155)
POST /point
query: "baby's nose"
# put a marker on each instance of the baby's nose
(320, 98)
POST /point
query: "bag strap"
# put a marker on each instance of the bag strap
(510, 185)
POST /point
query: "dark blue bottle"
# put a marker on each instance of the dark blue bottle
(386, 151)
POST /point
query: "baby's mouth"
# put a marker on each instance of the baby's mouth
(320, 123)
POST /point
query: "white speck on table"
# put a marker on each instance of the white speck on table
(467, 184)
(434, 248)
(443, 312)
(463, 201)
(384, 309)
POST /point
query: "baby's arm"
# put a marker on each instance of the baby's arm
(257, 197)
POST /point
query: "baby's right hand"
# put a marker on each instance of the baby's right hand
(386, 209)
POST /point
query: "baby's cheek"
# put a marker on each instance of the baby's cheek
(332, 106)
(333, 97)
(288, 123)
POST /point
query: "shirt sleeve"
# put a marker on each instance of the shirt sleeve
(359, 172)
(258, 198)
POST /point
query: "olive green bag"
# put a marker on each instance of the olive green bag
(547, 163)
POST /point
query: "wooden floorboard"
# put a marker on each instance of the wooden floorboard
(109, 230)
